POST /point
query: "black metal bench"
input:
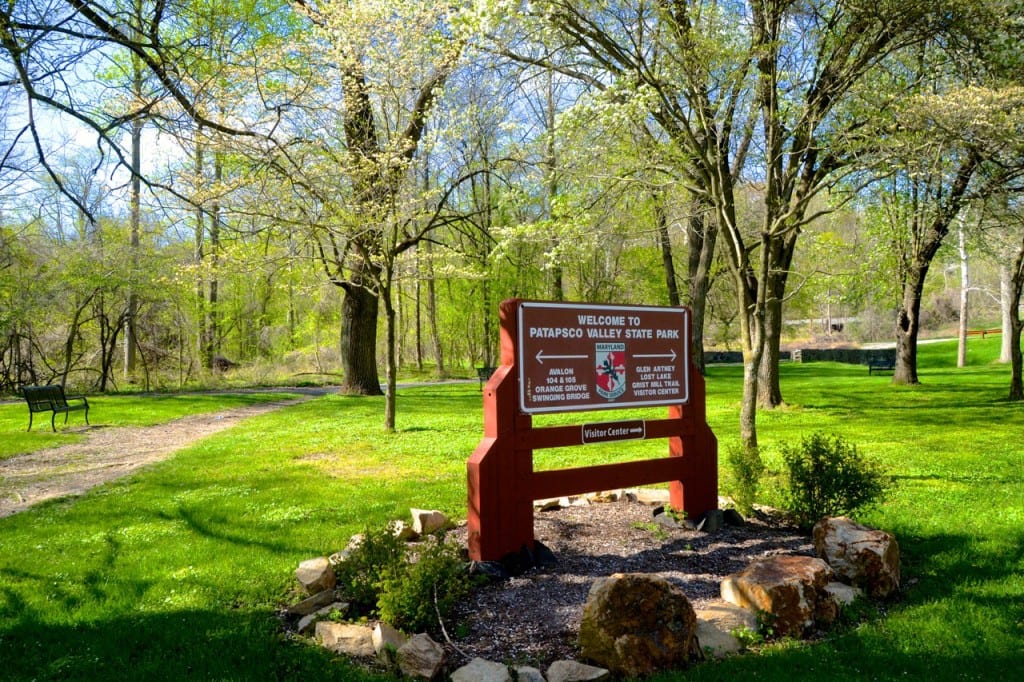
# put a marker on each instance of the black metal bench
(484, 373)
(51, 398)
(881, 365)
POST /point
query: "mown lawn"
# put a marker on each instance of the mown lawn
(177, 572)
(111, 410)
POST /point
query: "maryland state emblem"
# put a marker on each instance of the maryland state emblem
(611, 369)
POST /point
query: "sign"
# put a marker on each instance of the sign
(573, 356)
(607, 432)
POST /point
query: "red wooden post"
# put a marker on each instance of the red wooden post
(501, 482)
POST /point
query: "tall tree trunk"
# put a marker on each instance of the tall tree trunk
(391, 365)
(769, 388)
(359, 308)
(667, 262)
(200, 257)
(1016, 290)
(435, 331)
(702, 233)
(1006, 307)
(965, 290)
(135, 203)
(777, 275)
(908, 318)
(557, 284)
(212, 310)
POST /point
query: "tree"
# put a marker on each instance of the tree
(713, 77)
(951, 149)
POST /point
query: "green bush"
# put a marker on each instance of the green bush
(381, 552)
(380, 576)
(421, 594)
(747, 467)
(828, 477)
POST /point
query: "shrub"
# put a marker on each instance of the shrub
(421, 594)
(828, 477)
(381, 552)
(380, 576)
(747, 468)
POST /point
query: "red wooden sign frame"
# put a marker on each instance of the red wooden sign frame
(502, 483)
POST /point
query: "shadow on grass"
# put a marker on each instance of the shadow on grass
(199, 645)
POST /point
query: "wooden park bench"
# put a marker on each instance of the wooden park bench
(484, 373)
(881, 364)
(51, 398)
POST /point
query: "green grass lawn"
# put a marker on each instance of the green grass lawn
(111, 410)
(177, 572)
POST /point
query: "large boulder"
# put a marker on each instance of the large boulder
(636, 624)
(859, 555)
(791, 589)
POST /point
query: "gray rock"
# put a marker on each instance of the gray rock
(316, 575)
(386, 642)
(480, 670)
(712, 521)
(525, 673)
(348, 639)
(307, 622)
(571, 671)
(652, 496)
(716, 625)
(426, 521)
(733, 518)
(312, 604)
(421, 658)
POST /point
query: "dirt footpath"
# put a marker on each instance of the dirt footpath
(107, 454)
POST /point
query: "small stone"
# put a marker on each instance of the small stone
(549, 504)
(525, 673)
(733, 518)
(346, 638)
(572, 671)
(480, 670)
(353, 544)
(421, 658)
(312, 604)
(386, 642)
(652, 496)
(717, 624)
(667, 521)
(403, 531)
(605, 496)
(712, 521)
(307, 622)
(427, 521)
(492, 570)
(316, 575)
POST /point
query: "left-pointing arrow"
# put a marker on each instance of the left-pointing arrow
(541, 357)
